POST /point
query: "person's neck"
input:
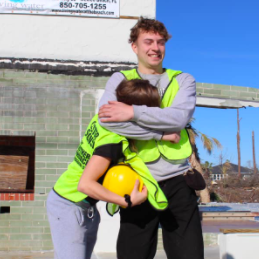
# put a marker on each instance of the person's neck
(151, 71)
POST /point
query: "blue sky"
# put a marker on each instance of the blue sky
(217, 42)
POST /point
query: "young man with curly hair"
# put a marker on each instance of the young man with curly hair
(163, 144)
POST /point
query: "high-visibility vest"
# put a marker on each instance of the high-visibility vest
(151, 150)
(94, 137)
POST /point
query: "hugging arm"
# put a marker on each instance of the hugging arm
(175, 117)
(128, 129)
(151, 122)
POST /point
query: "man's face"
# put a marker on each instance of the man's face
(150, 49)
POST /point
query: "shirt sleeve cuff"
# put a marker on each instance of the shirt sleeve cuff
(158, 136)
(137, 112)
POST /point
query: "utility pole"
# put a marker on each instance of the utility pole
(253, 141)
(238, 145)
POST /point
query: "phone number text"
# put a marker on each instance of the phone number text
(82, 5)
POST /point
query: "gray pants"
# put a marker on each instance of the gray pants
(73, 227)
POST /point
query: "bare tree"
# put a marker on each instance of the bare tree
(253, 141)
(221, 159)
(226, 168)
(238, 145)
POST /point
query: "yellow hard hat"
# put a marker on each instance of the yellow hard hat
(121, 179)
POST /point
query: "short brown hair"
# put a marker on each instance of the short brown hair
(138, 92)
(148, 25)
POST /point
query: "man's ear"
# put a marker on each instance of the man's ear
(134, 47)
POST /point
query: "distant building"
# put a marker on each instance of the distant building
(222, 171)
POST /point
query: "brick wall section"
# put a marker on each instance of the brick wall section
(55, 107)
(228, 91)
(16, 197)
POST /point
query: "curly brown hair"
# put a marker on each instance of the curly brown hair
(148, 25)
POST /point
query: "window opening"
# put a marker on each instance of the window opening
(17, 164)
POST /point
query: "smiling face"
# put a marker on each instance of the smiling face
(150, 50)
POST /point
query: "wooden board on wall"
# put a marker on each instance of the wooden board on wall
(13, 172)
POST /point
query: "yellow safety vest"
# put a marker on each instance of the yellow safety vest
(96, 136)
(151, 150)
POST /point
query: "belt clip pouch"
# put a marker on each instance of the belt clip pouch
(194, 179)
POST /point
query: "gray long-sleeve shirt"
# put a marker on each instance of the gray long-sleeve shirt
(152, 122)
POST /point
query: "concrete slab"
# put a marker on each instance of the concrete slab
(210, 253)
(213, 226)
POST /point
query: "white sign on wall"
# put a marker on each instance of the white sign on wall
(92, 8)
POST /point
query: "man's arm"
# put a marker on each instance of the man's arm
(175, 117)
(170, 119)
(128, 129)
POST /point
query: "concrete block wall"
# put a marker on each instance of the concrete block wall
(57, 108)
(228, 91)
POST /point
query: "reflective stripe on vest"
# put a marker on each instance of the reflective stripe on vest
(151, 150)
(94, 137)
